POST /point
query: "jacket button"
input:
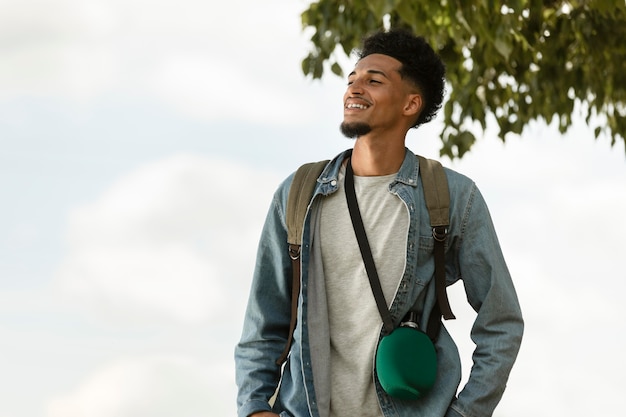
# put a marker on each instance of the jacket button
(333, 182)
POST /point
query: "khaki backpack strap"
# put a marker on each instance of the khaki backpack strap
(436, 191)
(437, 197)
(300, 194)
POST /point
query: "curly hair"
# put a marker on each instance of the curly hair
(420, 65)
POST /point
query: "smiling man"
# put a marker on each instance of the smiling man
(397, 84)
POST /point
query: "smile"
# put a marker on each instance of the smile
(356, 106)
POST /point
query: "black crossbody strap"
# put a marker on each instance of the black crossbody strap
(366, 253)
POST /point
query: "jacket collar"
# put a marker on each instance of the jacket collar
(408, 173)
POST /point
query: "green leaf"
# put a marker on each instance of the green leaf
(597, 131)
(336, 69)
(306, 65)
(377, 7)
(465, 140)
(406, 12)
(504, 46)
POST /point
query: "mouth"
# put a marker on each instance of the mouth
(358, 106)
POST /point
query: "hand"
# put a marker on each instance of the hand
(264, 414)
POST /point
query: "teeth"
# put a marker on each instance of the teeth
(356, 106)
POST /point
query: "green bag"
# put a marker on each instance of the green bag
(406, 363)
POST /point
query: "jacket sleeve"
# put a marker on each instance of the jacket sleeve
(267, 317)
(498, 328)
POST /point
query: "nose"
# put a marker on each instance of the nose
(355, 88)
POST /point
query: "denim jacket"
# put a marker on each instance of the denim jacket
(472, 254)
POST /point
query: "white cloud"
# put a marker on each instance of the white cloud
(194, 56)
(56, 47)
(166, 239)
(159, 386)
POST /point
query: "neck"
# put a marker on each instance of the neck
(375, 158)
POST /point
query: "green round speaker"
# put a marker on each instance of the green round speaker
(406, 363)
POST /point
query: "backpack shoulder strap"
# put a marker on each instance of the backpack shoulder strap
(300, 193)
(437, 198)
(436, 191)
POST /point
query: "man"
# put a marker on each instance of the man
(397, 84)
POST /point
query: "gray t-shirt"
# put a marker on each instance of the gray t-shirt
(355, 321)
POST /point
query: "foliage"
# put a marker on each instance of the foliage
(516, 60)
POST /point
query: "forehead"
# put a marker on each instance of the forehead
(379, 62)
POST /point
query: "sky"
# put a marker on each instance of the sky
(140, 144)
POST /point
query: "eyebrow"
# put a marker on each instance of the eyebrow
(371, 71)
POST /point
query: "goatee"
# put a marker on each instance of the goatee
(354, 130)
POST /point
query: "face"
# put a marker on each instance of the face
(377, 98)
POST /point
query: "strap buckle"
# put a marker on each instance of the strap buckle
(294, 252)
(410, 320)
(440, 233)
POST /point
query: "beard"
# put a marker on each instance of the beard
(354, 130)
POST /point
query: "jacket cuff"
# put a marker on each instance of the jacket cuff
(253, 406)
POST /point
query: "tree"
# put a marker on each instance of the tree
(514, 61)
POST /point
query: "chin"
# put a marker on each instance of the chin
(353, 130)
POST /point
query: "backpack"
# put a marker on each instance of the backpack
(437, 197)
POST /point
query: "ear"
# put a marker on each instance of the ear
(413, 105)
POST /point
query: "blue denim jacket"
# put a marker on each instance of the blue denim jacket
(472, 254)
